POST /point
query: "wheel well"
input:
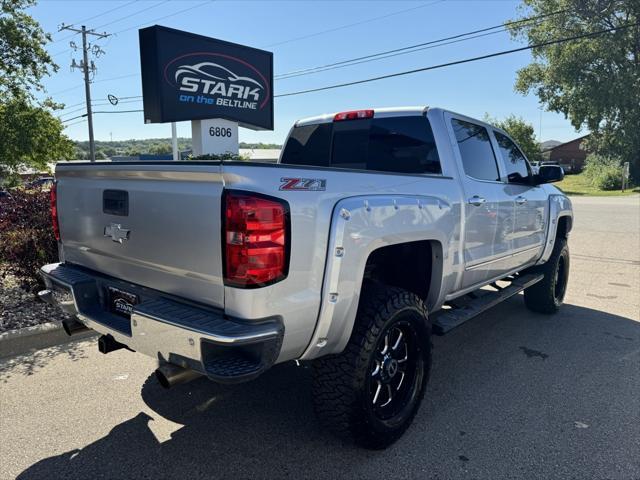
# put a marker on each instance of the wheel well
(564, 227)
(405, 265)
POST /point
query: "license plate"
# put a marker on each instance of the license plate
(121, 302)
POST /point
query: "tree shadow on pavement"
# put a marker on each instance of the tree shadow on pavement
(29, 363)
(503, 386)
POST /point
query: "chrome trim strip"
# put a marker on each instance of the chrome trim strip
(503, 257)
(212, 336)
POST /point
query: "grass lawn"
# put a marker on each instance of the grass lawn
(579, 185)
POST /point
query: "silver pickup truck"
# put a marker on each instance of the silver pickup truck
(375, 230)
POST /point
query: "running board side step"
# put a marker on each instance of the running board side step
(445, 320)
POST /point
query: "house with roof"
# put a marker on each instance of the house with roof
(569, 155)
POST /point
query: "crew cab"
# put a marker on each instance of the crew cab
(376, 229)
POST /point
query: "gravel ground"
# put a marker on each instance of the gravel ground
(20, 309)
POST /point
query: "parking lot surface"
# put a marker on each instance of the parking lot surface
(512, 395)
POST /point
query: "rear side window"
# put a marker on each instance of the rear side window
(308, 145)
(514, 161)
(394, 144)
(476, 151)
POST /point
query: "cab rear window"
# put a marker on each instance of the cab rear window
(394, 144)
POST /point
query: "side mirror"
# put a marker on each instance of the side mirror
(549, 174)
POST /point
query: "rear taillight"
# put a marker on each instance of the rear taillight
(352, 115)
(53, 197)
(256, 239)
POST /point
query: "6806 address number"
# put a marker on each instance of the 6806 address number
(220, 132)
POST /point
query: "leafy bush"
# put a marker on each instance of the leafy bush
(225, 157)
(604, 173)
(26, 235)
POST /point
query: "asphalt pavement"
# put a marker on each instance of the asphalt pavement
(513, 394)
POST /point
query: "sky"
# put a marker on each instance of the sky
(301, 34)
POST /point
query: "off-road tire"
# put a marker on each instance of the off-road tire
(547, 295)
(342, 383)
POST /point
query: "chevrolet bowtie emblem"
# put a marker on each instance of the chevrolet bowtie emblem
(116, 232)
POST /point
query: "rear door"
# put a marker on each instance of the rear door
(488, 208)
(531, 205)
(157, 226)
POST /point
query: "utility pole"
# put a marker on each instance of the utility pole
(86, 67)
(540, 126)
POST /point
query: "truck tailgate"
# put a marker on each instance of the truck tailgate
(156, 225)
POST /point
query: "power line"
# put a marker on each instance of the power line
(91, 18)
(71, 106)
(119, 111)
(72, 111)
(146, 9)
(74, 123)
(361, 22)
(379, 55)
(73, 118)
(435, 67)
(133, 96)
(416, 47)
(116, 21)
(121, 101)
(75, 87)
(165, 16)
(117, 78)
(376, 58)
(102, 111)
(457, 62)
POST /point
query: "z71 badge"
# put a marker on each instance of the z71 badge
(304, 184)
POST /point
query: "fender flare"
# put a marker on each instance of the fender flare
(559, 206)
(359, 226)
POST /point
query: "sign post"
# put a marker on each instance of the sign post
(625, 175)
(174, 142)
(217, 85)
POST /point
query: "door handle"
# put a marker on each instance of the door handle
(520, 200)
(477, 200)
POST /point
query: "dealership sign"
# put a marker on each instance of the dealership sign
(191, 77)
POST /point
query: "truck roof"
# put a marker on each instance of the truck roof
(378, 113)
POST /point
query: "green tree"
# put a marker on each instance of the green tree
(594, 81)
(133, 151)
(160, 149)
(522, 132)
(23, 58)
(30, 135)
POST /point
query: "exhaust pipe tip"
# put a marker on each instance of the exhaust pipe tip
(162, 379)
(46, 296)
(73, 327)
(170, 375)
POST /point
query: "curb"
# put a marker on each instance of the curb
(23, 340)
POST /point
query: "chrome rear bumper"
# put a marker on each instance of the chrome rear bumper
(169, 329)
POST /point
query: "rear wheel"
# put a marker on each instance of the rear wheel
(547, 295)
(371, 392)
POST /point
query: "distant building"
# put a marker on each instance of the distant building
(569, 155)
